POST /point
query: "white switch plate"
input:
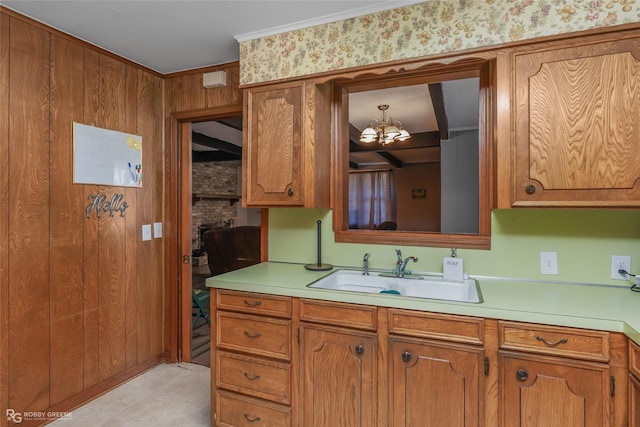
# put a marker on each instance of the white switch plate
(548, 263)
(157, 230)
(146, 232)
(618, 262)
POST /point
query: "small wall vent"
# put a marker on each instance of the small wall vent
(214, 79)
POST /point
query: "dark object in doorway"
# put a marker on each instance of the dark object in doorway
(229, 249)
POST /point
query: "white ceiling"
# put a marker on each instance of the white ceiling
(169, 36)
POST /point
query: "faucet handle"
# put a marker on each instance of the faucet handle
(399, 253)
(366, 257)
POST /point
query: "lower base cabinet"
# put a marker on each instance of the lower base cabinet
(290, 362)
(553, 392)
(338, 371)
(435, 384)
(634, 401)
(634, 385)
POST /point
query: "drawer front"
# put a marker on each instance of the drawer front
(339, 314)
(256, 377)
(634, 359)
(253, 334)
(254, 303)
(554, 340)
(446, 327)
(233, 410)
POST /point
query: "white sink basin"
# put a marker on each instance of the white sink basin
(432, 287)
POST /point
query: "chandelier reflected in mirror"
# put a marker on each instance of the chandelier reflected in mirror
(384, 131)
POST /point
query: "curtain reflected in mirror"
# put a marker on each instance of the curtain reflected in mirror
(372, 200)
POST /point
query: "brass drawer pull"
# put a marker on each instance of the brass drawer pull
(551, 344)
(257, 335)
(251, 420)
(251, 377)
(252, 305)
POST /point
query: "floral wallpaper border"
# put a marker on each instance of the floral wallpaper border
(422, 29)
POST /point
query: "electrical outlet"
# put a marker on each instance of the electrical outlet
(620, 262)
(548, 263)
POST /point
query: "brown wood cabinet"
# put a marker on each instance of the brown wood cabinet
(338, 371)
(311, 363)
(435, 383)
(574, 109)
(287, 143)
(563, 390)
(634, 385)
(553, 392)
(338, 364)
(252, 371)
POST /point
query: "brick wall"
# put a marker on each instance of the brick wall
(213, 178)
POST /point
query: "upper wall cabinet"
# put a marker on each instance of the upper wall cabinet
(286, 147)
(570, 134)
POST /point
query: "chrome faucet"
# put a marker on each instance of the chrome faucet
(401, 264)
(365, 264)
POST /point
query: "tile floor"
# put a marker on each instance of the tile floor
(167, 395)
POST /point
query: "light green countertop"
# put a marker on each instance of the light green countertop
(606, 308)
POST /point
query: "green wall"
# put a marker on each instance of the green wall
(584, 239)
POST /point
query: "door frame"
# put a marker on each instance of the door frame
(178, 205)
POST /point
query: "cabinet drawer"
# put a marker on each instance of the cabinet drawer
(339, 314)
(446, 327)
(233, 410)
(253, 376)
(634, 358)
(559, 341)
(253, 334)
(255, 303)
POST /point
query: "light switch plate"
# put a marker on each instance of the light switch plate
(548, 263)
(157, 230)
(146, 232)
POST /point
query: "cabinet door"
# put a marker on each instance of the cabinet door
(273, 146)
(339, 377)
(435, 384)
(542, 391)
(576, 125)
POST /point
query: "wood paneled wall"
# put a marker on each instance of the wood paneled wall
(82, 299)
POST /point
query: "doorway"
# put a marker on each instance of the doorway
(198, 146)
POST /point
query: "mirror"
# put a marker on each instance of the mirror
(427, 189)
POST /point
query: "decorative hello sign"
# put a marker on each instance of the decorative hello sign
(100, 204)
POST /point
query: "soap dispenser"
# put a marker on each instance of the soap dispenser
(453, 267)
